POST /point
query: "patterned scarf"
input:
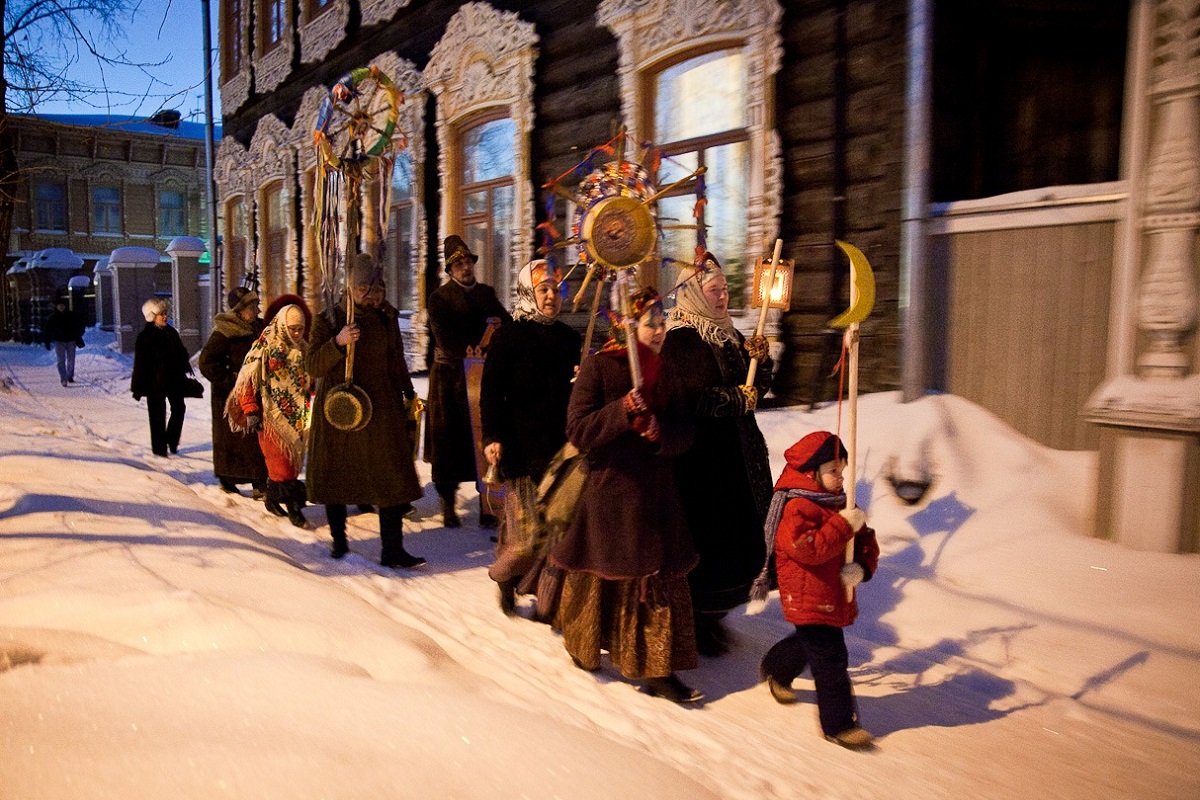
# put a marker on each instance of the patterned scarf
(274, 370)
(529, 278)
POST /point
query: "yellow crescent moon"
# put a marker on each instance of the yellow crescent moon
(864, 284)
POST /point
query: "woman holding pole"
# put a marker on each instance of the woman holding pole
(706, 360)
(627, 553)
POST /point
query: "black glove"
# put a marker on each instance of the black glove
(47, 345)
(136, 397)
(79, 342)
(253, 423)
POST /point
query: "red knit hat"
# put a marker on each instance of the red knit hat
(814, 450)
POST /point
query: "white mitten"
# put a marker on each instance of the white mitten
(855, 516)
(852, 574)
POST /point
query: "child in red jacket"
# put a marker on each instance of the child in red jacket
(811, 528)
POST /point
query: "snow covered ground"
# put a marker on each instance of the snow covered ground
(159, 638)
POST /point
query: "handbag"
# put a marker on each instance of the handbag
(192, 387)
(559, 490)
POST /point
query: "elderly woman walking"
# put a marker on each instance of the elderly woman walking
(273, 399)
(160, 363)
(236, 456)
(707, 359)
(523, 402)
(627, 553)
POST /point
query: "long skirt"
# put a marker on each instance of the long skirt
(645, 623)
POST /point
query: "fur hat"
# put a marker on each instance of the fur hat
(364, 272)
(240, 298)
(814, 450)
(155, 306)
(455, 248)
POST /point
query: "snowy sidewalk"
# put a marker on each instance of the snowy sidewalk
(1001, 653)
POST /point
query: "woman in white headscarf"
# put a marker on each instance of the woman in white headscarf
(706, 359)
(273, 398)
(523, 405)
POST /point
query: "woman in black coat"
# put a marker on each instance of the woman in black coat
(707, 359)
(523, 405)
(160, 363)
(237, 458)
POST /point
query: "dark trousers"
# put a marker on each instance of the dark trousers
(66, 360)
(823, 649)
(391, 522)
(164, 433)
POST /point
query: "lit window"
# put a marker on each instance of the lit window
(106, 210)
(275, 230)
(400, 252)
(488, 197)
(234, 258)
(50, 206)
(700, 119)
(171, 214)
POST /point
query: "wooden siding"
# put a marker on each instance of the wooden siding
(1027, 325)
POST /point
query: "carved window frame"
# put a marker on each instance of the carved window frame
(235, 86)
(483, 64)
(234, 178)
(652, 34)
(322, 29)
(272, 158)
(272, 67)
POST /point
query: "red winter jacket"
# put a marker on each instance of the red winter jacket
(810, 547)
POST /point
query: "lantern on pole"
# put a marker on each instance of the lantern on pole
(772, 289)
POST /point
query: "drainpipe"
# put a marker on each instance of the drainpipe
(214, 257)
(915, 200)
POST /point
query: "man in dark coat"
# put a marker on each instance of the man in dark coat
(237, 457)
(458, 313)
(372, 465)
(64, 330)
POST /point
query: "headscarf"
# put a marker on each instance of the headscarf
(529, 278)
(692, 309)
(274, 370)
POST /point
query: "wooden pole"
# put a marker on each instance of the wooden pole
(762, 312)
(852, 428)
(635, 368)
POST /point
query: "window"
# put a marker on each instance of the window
(700, 120)
(234, 45)
(172, 215)
(275, 232)
(400, 255)
(50, 206)
(234, 259)
(487, 199)
(1023, 100)
(314, 7)
(273, 15)
(106, 210)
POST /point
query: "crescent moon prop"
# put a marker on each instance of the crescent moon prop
(863, 298)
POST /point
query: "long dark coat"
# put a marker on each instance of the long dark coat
(375, 464)
(160, 362)
(526, 387)
(629, 522)
(725, 476)
(457, 320)
(236, 456)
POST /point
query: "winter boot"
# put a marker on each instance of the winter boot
(673, 689)
(391, 534)
(273, 497)
(294, 497)
(337, 529)
(228, 486)
(854, 738)
(508, 596)
(449, 515)
(258, 490)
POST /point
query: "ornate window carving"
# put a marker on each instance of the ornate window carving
(235, 54)
(481, 71)
(666, 47)
(322, 27)
(273, 162)
(236, 244)
(234, 179)
(274, 45)
(375, 11)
